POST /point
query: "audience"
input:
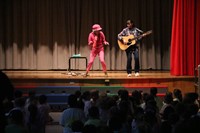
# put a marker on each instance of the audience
(95, 112)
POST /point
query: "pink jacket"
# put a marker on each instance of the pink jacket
(96, 41)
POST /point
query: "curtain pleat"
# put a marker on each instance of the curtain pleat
(185, 37)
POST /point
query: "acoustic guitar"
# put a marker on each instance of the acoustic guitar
(131, 40)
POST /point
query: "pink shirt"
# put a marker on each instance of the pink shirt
(97, 41)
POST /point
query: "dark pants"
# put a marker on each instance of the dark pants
(135, 52)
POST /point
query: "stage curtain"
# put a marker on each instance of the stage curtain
(185, 37)
(197, 34)
(43, 34)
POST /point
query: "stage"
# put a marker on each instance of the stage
(27, 79)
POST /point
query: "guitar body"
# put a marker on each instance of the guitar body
(131, 39)
(126, 39)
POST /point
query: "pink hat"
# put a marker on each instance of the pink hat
(96, 27)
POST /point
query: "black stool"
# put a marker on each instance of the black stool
(85, 58)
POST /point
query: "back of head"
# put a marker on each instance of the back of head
(168, 98)
(31, 93)
(177, 94)
(190, 97)
(136, 94)
(153, 91)
(94, 112)
(20, 102)
(119, 92)
(42, 99)
(18, 93)
(94, 94)
(86, 95)
(16, 116)
(72, 101)
(124, 95)
(78, 93)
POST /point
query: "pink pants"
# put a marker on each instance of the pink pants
(93, 54)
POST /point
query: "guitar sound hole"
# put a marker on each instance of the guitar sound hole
(128, 43)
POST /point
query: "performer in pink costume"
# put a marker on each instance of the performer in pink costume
(96, 41)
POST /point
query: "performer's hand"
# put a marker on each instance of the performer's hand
(90, 43)
(106, 43)
(124, 42)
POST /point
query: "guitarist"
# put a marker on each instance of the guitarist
(131, 30)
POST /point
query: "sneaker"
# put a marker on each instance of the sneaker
(129, 75)
(74, 74)
(137, 74)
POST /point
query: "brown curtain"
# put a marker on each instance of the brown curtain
(43, 34)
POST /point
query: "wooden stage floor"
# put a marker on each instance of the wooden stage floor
(92, 75)
(97, 78)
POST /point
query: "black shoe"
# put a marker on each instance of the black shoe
(106, 74)
(85, 74)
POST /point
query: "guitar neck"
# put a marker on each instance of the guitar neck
(142, 35)
(136, 37)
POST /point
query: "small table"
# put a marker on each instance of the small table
(76, 57)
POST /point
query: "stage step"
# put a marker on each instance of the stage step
(73, 89)
(48, 89)
(57, 96)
